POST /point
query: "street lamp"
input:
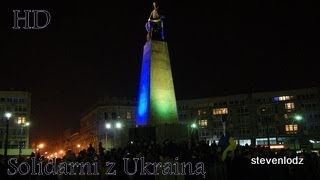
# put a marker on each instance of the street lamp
(78, 147)
(7, 115)
(108, 126)
(193, 126)
(40, 146)
(22, 124)
(61, 153)
(296, 118)
(117, 125)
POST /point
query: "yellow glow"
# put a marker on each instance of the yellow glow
(128, 115)
(279, 146)
(78, 145)
(203, 122)
(220, 111)
(41, 145)
(285, 98)
(61, 151)
(21, 120)
(289, 106)
(291, 128)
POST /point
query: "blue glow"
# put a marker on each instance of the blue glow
(143, 100)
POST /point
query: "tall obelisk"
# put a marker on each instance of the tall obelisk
(156, 101)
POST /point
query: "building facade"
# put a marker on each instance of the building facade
(107, 121)
(288, 118)
(18, 103)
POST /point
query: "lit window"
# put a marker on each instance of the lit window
(220, 111)
(283, 98)
(286, 116)
(128, 115)
(21, 120)
(199, 112)
(291, 128)
(243, 142)
(203, 122)
(289, 106)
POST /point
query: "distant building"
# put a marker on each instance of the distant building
(107, 121)
(290, 117)
(18, 103)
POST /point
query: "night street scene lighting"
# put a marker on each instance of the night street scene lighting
(159, 90)
(8, 116)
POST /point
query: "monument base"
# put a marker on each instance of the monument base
(160, 133)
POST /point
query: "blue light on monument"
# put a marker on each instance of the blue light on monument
(143, 99)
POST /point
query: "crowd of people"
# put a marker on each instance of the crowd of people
(237, 164)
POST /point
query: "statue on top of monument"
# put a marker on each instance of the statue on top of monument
(154, 25)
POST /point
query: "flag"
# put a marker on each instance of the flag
(227, 143)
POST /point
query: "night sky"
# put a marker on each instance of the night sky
(94, 49)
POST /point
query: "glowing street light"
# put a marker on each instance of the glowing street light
(108, 126)
(22, 124)
(118, 125)
(78, 146)
(193, 125)
(41, 146)
(8, 116)
(298, 117)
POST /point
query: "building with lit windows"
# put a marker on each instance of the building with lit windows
(288, 118)
(18, 103)
(107, 121)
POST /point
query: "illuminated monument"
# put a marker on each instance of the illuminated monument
(156, 101)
